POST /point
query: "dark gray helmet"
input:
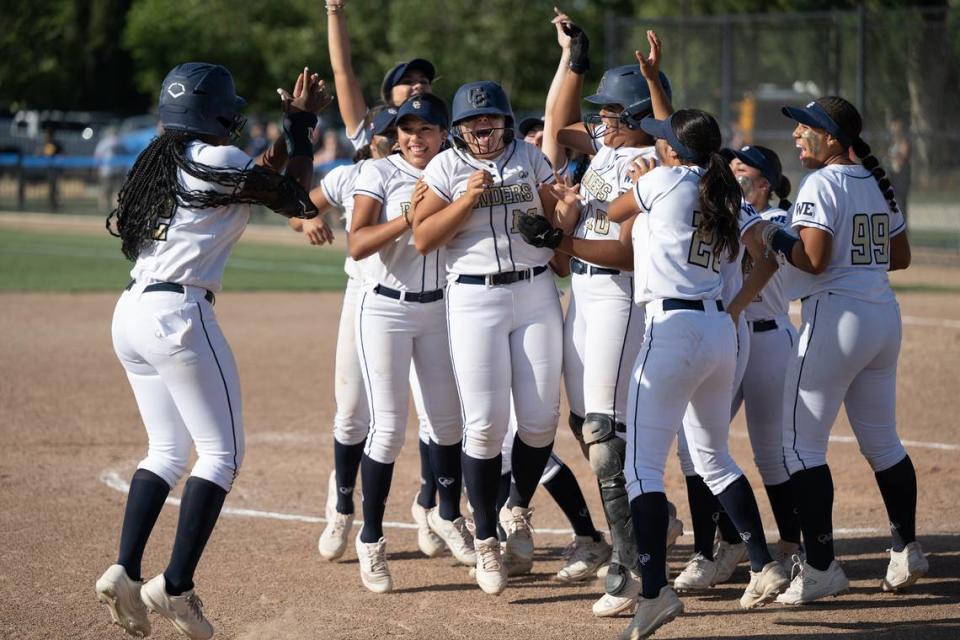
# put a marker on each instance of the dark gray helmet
(626, 86)
(201, 98)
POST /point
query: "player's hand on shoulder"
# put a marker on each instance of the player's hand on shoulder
(317, 231)
(479, 181)
(640, 166)
(650, 64)
(310, 94)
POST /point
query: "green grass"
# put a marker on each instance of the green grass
(31, 261)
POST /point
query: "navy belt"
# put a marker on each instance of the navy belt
(676, 304)
(760, 326)
(581, 268)
(508, 277)
(168, 286)
(409, 296)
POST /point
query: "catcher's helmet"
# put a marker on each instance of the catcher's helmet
(201, 98)
(481, 98)
(627, 87)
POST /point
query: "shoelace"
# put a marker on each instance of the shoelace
(797, 568)
(195, 604)
(521, 522)
(464, 530)
(339, 523)
(488, 558)
(378, 559)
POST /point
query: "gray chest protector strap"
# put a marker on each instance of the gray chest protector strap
(607, 453)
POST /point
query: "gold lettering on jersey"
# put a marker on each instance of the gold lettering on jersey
(160, 231)
(507, 194)
(405, 208)
(596, 185)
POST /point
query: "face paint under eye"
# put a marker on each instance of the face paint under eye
(746, 185)
(814, 141)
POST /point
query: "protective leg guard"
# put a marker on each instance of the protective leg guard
(607, 454)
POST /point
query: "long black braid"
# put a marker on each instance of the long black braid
(152, 190)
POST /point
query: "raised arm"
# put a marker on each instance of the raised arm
(353, 108)
(551, 146)
(650, 68)
(300, 111)
(564, 116)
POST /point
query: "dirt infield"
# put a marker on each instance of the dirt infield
(71, 434)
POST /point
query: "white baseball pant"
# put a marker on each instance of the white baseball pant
(185, 380)
(847, 353)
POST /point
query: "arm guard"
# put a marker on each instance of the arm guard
(278, 192)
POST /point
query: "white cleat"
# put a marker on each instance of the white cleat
(456, 535)
(122, 595)
(490, 573)
(431, 545)
(333, 540)
(727, 556)
(699, 574)
(674, 531)
(905, 568)
(785, 552)
(184, 611)
(764, 586)
(811, 584)
(624, 602)
(519, 545)
(583, 557)
(653, 613)
(374, 572)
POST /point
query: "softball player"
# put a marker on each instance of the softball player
(402, 81)
(183, 207)
(503, 309)
(764, 337)
(603, 329)
(401, 318)
(851, 233)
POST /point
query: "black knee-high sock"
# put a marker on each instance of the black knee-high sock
(428, 482)
(199, 510)
(784, 511)
(741, 505)
(504, 489)
(483, 481)
(813, 495)
(649, 512)
(346, 463)
(565, 490)
(528, 464)
(898, 486)
(376, 478)
(148, 491)
(704, 509)
(728, 530)
(445, 461)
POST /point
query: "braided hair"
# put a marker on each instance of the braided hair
(848, 118)
(153, 190)
(720, 194)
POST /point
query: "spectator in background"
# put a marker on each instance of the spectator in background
(898, 161)
(50, 148)
(531, 130)
(259, 141)
(109, 171)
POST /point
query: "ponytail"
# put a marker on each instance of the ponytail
(871, 164)
(720, 202)
(782, 191)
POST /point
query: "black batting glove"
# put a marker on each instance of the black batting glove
(579, 48)
(538, 231)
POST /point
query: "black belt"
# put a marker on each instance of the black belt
(409, 296)
(759, 326)
(676, 304)
(168, 286)
(508, 277)
(581, 268)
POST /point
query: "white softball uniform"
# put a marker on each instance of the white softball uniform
(503, 337)
(684, 372)
(166, 335)
(401, 319)
(603, 329)
(362, 136)
(850, 328)
(352, 419)
(732, 275)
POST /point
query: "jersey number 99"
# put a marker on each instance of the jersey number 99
(701, 250)
(871, 239)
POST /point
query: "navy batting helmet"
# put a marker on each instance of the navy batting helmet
(201, 98)
(479, 99)
(626, 86)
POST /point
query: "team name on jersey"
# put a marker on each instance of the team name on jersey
(507, 194)
(804, 209)
(405, 208)
(596, 185)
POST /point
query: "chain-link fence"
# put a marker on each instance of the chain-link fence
(901, 68)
